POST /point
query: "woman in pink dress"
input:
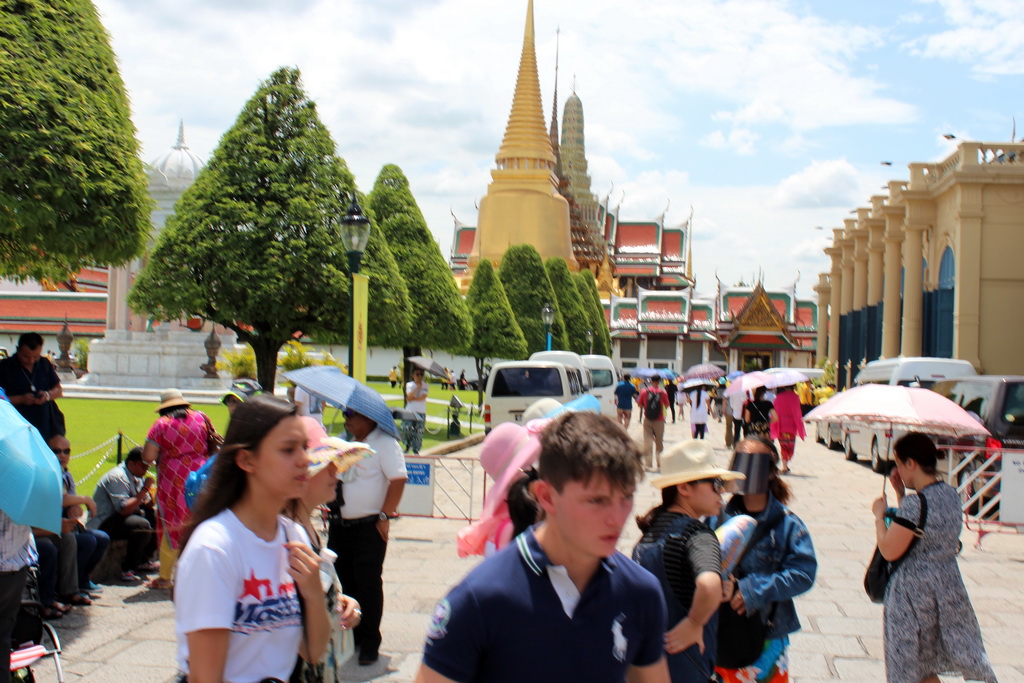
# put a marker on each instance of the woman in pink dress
(179, 442)
(788, 423)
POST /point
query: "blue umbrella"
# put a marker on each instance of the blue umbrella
(329, 384)
(584, 404)
(30, 485)
(734, 374)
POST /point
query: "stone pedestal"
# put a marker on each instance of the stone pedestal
(154, 360)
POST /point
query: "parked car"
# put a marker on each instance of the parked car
(604, 377)
(513, 386)
(904, 371)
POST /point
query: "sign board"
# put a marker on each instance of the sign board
(418, 497)
(360, 302)
(1011, 505)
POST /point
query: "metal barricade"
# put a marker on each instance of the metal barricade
(443, 487)
(981, 476)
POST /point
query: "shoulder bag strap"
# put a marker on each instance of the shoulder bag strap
(762, 530)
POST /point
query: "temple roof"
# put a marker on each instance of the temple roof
(525, 134)
(178, 166)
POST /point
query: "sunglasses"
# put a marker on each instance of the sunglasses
(348, 412)
(716, 483)
(61, 451)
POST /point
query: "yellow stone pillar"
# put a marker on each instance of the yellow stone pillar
(846, 295)
(860, 263)
(836, 281)
(875, 224)
(894, 212)
(913, 297)
(824, 290)
(967, 296)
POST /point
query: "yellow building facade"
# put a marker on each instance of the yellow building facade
(934, 267)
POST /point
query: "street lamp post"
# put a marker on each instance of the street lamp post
(590, 341)
(547, 314)
(355, 233)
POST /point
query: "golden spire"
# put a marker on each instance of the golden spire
(525, 135)
(689, 247)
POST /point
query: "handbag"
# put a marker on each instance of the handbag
(880, 570)
(741, 637)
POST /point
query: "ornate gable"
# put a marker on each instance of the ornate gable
(759, 323)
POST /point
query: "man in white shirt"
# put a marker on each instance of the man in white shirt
(416, 393)
(372, 490)
(734, 418)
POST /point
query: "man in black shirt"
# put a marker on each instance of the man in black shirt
(32, 384)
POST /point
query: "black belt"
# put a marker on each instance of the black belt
(359, 520)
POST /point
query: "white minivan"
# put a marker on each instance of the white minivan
(605, 378)
(513, 386)
(903, 371)
(571, 359)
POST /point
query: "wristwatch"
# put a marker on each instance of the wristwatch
(383, 516)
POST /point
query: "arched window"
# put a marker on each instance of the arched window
(947, 270)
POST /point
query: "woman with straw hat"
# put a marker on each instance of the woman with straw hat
(684, 554)
(179, 442)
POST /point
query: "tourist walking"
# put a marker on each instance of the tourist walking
(393, 376)
(700, 403)
(326, 464)
(778, 565)
(359, 537)
(653, 400)
(930, 626)
(758, 415)
(179, 442)
(559, 604)
(625, 392)
(734, 418)
(672, 390)
(787, 424)
(684, 555)
(416, 393)
(248, 599)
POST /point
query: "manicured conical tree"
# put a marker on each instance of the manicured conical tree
(388, 307)
(438, 317)
(573, 308)
(587, 286)
(255, 244)
(496, 333)
(72, 188)
(528, 289)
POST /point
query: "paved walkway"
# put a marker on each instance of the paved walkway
(129, 634)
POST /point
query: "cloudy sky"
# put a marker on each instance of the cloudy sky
(770, 118)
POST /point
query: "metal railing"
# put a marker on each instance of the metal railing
(978, 476)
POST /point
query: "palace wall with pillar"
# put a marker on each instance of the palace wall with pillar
(934, 267)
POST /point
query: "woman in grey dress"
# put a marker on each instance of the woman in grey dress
(930, 626)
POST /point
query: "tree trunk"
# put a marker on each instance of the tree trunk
(480, 382)
(265, 351)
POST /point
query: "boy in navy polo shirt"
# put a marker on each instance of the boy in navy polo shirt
(560, 603)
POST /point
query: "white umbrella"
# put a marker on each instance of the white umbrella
(747, 382)
(784, 377)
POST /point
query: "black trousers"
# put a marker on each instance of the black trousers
(360, 566)
(737, 430)
(11, 586)
(140, 532)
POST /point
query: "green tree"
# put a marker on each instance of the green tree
(254, 243)
(528, 289)
(438, 317)
(587, 286)
(570, 305)
(72, 188)
(496, 333)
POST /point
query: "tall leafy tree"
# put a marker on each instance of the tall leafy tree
(388, 308)
(591, 298)
(528, 289)
(496, 333)
(438, 317)
(570, 305)
(72, 187)
(254, 243)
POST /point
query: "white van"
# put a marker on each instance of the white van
(573, 360)
(605, 379)
(909, 371)
(513, 386)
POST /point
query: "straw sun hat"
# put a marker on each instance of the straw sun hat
(171, 398)
(688, 461)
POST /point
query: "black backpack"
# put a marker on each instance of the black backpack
(652, 405)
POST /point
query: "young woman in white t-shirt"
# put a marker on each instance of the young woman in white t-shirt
(247, 595)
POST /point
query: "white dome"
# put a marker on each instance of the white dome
(177, 167)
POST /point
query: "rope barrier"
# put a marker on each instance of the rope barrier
(99, 464)
(93, 450)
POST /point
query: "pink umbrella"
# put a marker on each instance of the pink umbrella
(878, 406)
(704, 371)
(747, 382)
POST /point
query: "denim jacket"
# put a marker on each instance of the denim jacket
(780, 567)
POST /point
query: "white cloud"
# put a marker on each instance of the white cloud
(986, 34)
(833, 183)
(740, 141)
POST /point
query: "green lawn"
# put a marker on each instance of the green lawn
(92, 423)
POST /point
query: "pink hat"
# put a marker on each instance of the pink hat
(509, 451)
